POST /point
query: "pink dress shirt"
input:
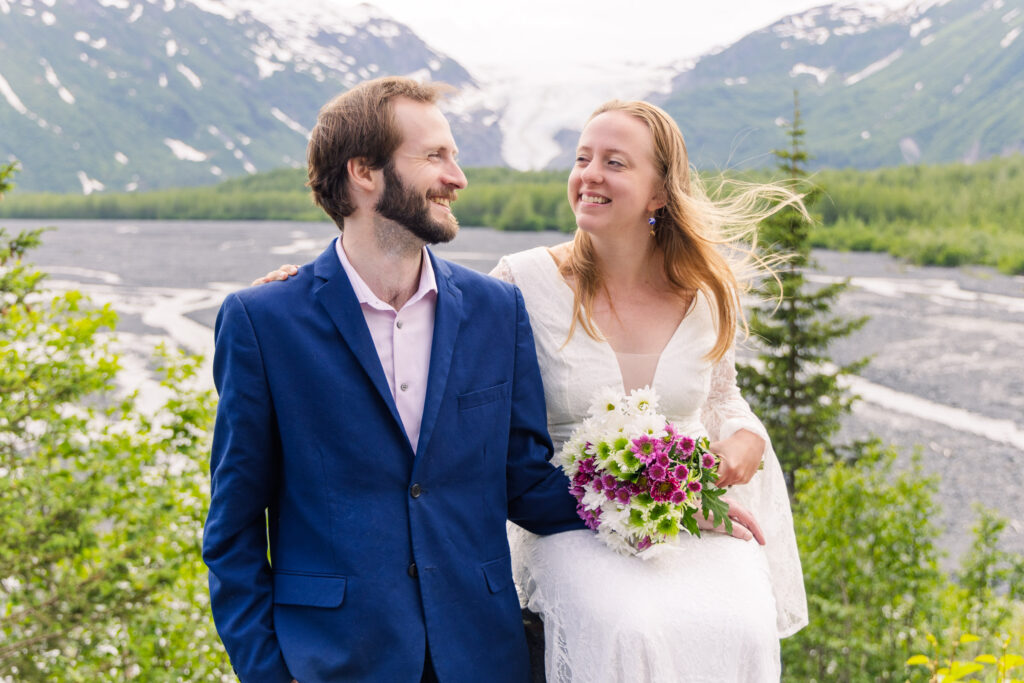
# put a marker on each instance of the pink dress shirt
(403, 340)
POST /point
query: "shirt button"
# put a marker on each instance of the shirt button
(415, 490)
(398, 324)
(405, 386)
(411, 571)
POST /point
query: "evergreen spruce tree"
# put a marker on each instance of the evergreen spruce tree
(793, 386)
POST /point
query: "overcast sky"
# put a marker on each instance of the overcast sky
(483, 33)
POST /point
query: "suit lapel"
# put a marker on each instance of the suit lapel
(336, 295)
(447, 320)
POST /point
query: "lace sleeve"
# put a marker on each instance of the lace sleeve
(726, 411)
(503, 271)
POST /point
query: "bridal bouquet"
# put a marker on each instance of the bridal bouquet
(636, 479)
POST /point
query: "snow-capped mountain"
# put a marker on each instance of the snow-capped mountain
(113, 95)
(937, 81)
(137, 94)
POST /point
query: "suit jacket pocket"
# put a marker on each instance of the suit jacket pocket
(498, 574)
(311, 590)
(484, 396)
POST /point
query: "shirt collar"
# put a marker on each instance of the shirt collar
(365, 295)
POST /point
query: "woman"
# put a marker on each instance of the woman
(632, 302)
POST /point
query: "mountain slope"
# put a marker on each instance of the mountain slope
(938, 81)
(139, 94)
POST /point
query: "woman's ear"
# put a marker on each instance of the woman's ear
(658, 201)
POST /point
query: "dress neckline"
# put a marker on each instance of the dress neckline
(569, 294)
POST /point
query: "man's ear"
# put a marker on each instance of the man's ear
(361, 176)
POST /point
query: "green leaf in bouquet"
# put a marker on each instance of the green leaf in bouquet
(690, 523)
(711, 502)
(636, 517)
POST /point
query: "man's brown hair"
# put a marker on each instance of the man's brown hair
(358, 123)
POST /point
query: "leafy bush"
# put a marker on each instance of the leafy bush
(101, 504)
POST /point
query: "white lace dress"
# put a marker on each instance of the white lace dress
(704, 609)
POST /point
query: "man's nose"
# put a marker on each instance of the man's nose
(453, 176)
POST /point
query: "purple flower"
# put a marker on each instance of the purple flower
(661, 491)
(622, 495)
(681, 472)
(695, 486)
(644, 543)
(685, 444)
(677, 497)
(707, 461)
(598, 484)
(586, 466)
(644, 447)
(662, 459)
(577, 492)
(657, 472)
(609, 481)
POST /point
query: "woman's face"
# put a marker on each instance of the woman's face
(615, 185)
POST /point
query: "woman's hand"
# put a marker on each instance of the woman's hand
(740, 457)
(282, 273)
(744, 526)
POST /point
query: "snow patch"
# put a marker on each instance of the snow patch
(959, 88)
(162, 81)
(919, 86)
(48, 18)
(4, 7)
(89, 185)
(116, 4)
(1011, 15)
(51, 78)
(121, 158)
(290, 122)
(216, 170)
(191, 76)
(83, 37)
(729, 82)
(928, 39)
(872, 69)
(910, 151)
(1010, 37)
(865, 135)
(434, 65)
(267, 68)
(171, 47)
(919, 27)
(11, 97)
(820, 74)
(131, 187)
(249, 168)
(136, 13)
(183, 151)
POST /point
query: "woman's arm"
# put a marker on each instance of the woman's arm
(737, 435)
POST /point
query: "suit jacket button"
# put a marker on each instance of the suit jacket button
(412, 570)
(415, 490)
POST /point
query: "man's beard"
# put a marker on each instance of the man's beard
(412, 211)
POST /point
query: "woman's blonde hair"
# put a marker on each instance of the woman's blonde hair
(708, 242)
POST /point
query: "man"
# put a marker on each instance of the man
(381, 414)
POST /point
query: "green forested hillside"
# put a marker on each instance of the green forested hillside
(948, 214)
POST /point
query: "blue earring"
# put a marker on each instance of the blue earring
(651, 222)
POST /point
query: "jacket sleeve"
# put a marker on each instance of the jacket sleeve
(243, 472)
(538, 492)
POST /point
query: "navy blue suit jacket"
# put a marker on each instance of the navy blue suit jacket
(310, 456)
